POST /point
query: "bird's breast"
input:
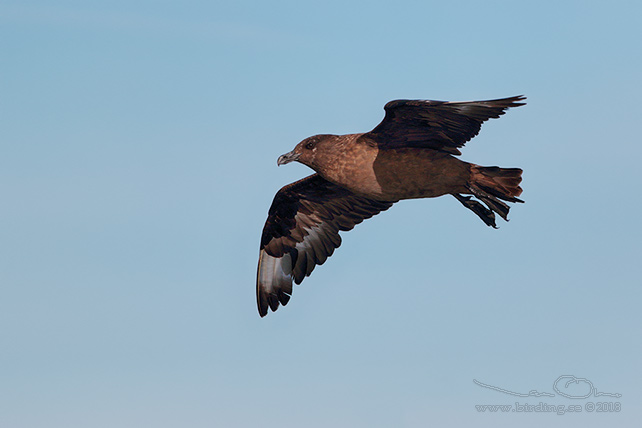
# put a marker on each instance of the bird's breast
(351, 165)
(354, 170)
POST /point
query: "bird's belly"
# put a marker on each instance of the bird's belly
(410, 174)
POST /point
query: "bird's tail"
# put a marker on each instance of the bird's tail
(492, 185)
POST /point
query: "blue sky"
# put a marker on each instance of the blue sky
(138, 161)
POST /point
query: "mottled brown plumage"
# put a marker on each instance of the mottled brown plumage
(410, 154)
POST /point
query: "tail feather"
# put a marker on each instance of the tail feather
(500, 182)
(492, 185)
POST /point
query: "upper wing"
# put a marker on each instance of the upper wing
(302, 231)
(438, 125)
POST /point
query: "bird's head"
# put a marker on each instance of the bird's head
(307, 151)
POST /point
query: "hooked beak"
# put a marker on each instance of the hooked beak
(287, 158)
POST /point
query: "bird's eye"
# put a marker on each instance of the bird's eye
(309, 145)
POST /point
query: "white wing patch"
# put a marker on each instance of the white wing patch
(318, 244)
(276, 274)
(274, 283)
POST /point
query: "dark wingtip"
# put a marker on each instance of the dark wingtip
(505, 103)
(271, 301)
(514, 101)
(261, 303)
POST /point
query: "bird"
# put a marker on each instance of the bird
(411, 154)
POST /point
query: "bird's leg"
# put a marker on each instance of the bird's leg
(491, 201)
(484, 213)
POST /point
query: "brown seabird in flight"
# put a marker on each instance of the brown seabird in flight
(410, 154)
